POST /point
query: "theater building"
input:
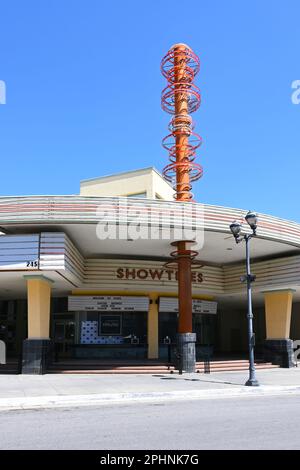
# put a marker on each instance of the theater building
(69, 291)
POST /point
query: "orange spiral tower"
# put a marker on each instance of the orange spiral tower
(181, 97)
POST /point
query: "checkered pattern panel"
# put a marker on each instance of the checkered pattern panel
(89, 335)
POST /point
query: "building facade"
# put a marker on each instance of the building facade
(86, 276)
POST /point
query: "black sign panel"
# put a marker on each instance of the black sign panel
(109, 324)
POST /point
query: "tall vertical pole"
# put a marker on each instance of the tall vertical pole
(252, 381)
(181, 114)
(185, 319)
(181, 97)
(185, 322)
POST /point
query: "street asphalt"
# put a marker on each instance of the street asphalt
(238, 423)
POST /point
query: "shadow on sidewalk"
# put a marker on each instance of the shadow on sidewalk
(226, 382)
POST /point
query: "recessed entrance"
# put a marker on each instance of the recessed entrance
(64, 337)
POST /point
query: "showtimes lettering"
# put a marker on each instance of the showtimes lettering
(155, 274)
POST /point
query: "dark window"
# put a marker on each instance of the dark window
(109, 324)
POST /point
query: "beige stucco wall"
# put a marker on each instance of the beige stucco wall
(278, 309)
(38, 298)
(147, 181)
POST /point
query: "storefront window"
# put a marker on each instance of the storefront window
(13, 321)
(135, 323)
(114, 328)
(168, 326)
(203, 325)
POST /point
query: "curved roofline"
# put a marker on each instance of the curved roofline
(59, 210)
(144, 201)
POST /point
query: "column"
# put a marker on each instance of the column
(278, 310)
(37, 347)
(152, 325)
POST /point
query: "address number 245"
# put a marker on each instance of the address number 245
(32, 264)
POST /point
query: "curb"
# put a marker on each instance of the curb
(27, 403)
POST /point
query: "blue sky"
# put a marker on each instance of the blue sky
(83, 95)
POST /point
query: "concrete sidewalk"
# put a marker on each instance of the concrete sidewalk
(57, 390)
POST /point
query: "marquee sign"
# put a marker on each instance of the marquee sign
(106, 303)
(170, 304)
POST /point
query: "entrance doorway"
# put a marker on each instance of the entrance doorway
(64, 337)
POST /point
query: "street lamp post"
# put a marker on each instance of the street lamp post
(236, 227)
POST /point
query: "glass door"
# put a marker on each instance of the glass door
(64, 337)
